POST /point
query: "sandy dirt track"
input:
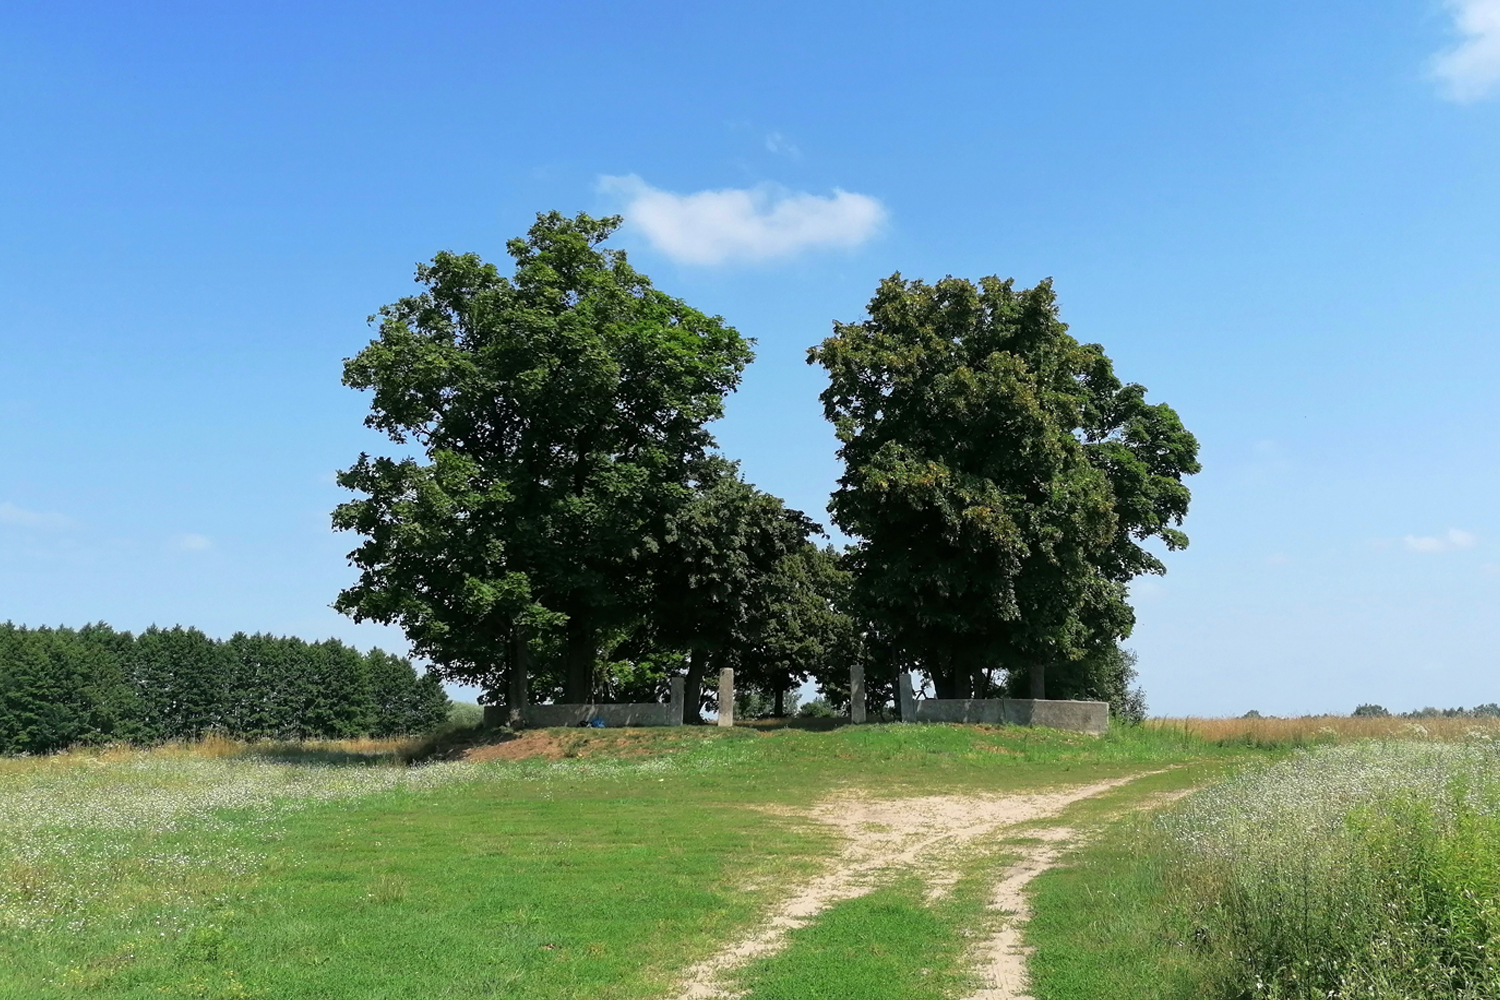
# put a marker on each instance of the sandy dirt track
(923, 836)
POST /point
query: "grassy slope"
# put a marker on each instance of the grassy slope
(595, 877)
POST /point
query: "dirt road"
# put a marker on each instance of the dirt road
(927, 836)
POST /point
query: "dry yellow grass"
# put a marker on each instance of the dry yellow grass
(392, 750)
(1308, 728)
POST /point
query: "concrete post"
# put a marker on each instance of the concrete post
(908, 698)
(857, 694)
(726, 696)
(679, 689)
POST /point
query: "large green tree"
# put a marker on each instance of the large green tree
(999, 479)
(797, 628)
(561, 413)
(716, 570)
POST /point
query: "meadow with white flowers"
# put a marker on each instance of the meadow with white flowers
(1368, 869)
(231, 871)
(1363, 869)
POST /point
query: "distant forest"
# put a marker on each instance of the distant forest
(61, 687)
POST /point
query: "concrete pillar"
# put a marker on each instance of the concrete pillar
(726, 697)
(908, 698)
(679, 688)
(857, 693)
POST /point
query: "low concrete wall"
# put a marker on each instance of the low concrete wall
(643, 714)
(637, 714)
(1077, 716)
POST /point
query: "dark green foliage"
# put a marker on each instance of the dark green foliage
(179, 676)
(56, 689)
(562, 414)
(1371, 711)
(1488, 711)
(398, 705)
(1000, 480)
(718, 579)
(63, 687)
(801, 628)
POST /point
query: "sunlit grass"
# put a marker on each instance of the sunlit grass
(1368, 869)
(284, 872)
(1308, 729)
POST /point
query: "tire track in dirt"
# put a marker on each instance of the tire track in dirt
(889, 837)
(1003, 957)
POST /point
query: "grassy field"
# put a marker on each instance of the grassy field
(1367, 869)
(330, 871)
(1310, 729)
(1309, 861)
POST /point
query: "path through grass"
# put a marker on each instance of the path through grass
(593, 876)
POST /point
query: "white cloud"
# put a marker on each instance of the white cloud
(778, 143)
(1453, 539)
(712, 227)
(1471, 69)
(21, 517)
(192, 543)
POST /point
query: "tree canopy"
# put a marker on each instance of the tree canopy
(62, 686)
(721, 573)
(999, 479)
(562, 416)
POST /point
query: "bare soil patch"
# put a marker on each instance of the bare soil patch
(555, 744)
(537, 743)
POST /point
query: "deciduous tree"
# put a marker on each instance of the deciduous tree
(716, 569)
(561, 413)
(999, 478)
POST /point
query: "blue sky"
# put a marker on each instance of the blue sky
(1283, 218)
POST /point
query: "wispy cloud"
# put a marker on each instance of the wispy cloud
(21, 517)
(192, 543)
(1448, 542)
(778, 143)
(715, 227)
(1471, 69)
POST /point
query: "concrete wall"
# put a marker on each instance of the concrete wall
(1076, 716)
(546, 716)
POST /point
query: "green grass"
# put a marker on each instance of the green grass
(888, 945)
(1367, 870)
(603, 875)
(1102, 928)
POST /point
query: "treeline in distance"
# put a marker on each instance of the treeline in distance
(62, 687)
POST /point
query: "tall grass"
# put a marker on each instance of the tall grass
(1311, 729)
(1368, 870)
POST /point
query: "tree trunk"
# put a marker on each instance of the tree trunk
(578, 661)
(779, 708)
(948, 681)
(944, 685)
(520, 675)
(1039, 680)
(692, 689)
